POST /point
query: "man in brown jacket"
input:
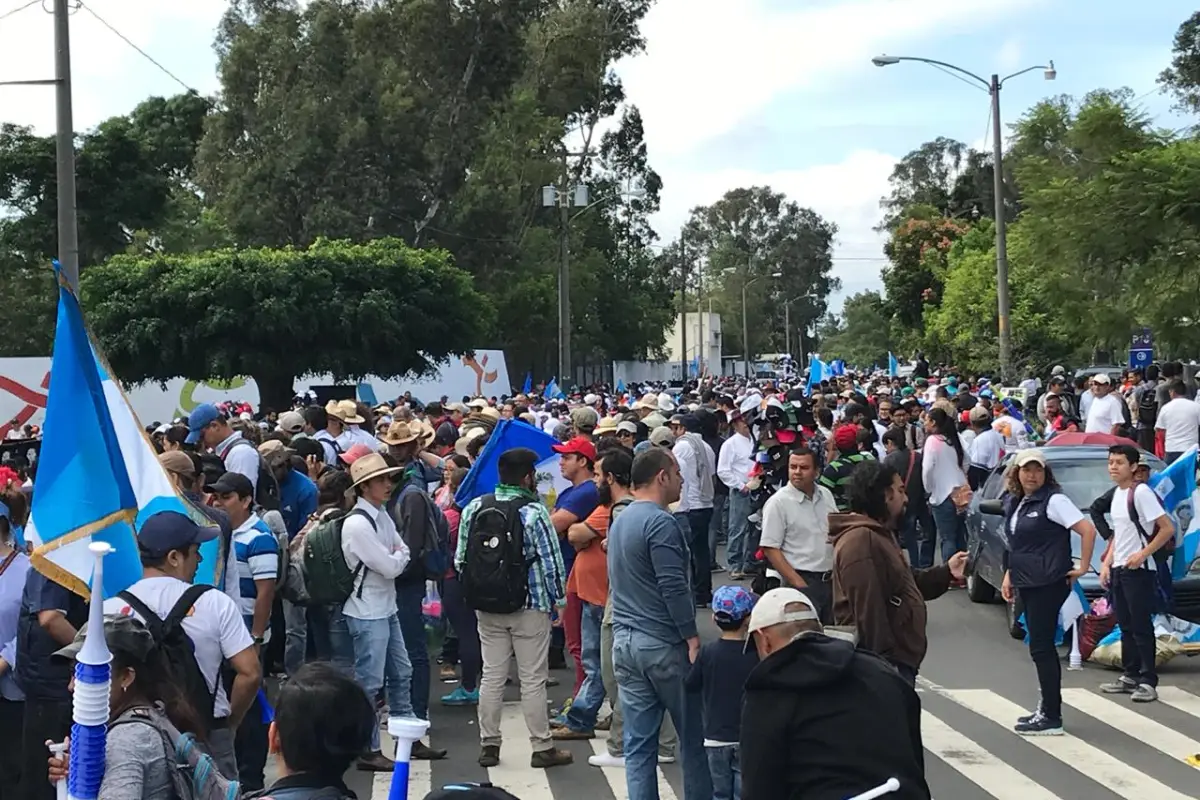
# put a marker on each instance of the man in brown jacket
(874, 588)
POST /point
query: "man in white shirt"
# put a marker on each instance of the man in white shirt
(698, 465)
(209, 428)
(1106, 413)
(733, 469)
(1179, 420)
(795, 532)
(347, 412)
(377, 555)
(1141, 527)
(169, 545)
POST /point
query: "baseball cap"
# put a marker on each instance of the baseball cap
(662, 436)
(356, 452)
(733, 603)
(274, 452)
(123, 634)
(178, 462)
(201, 417)
(231, 483)
(584, 418)
(1101, 377)
(627, 427)
(579, 446)
(1029, 456)
(773, 609)
(169, 530)
(291, 422)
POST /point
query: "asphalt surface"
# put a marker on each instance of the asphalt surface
(974, 682)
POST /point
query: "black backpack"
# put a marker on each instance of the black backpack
(266, 488)
(495, 572)
(1148, 407)
(433, 558)
(177, 648)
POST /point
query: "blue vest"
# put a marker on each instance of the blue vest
(1039, 549)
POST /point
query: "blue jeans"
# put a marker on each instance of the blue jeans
(695, 530)
(650, 673)
(718, 526)
(379, 654)
(409, 596)
(330, 638)
(726, 772)
(951, 528)
(585, 707)
(917, 535)
(740, 509)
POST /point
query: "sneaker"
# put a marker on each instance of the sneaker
(461, 697)
(489, 756)
(447, 673)
(1029, 717)
(605, 724)
(1121, 685)
(561, 712)
(552, 681)
(1144, 693)
(1039, 725)
(544, 759)
(717, 568)
(607, 760)
(737, 575)
(375, 762)
(568, 734)
(423, 752)
(666, 758)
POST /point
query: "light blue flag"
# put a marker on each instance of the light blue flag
(98, 476)
(551, 390)
(1176, 487)
(366, 393)
(528, 387)
(621, 386)
(838, 368)
(508, 435)
(818, 371)
(893, 366)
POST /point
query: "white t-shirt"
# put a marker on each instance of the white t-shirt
(1059, 508)
(1104, 413)
(1126, 539)
(987, 449)
(1180, 419)
(215, 626)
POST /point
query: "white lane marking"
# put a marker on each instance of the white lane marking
(1180, 700)
(977, 765)
(616, 775)
(1120, 778)
(1131, 723)
(514, 773)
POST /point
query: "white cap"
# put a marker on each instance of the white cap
(665, 403)
(478, 403)
(1029, 456)
(627, 427)
(590, 399)
(772, 609)
(1101, 377)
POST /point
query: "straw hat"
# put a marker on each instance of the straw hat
(400, 433)
(425, 431)
(607, 425)
(345, 410)
(370, 466)
(460, 446)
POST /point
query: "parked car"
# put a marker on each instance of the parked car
(1082, 471)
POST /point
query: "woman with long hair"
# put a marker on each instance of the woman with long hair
(1039, 519)
(943, 470)
(144, 696)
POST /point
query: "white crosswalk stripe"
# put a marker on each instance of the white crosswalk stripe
(991, 758)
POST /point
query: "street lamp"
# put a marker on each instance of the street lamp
(993, 88)
(787, 327)
(565, 196)
(745, 326)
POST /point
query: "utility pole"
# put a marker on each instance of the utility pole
(68, 230)
(1001, 234)
(683, 359)
(564, 277)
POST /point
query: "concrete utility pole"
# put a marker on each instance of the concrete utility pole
(683, 267)
(564, 278)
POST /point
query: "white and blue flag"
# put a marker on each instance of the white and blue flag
(1176, 487)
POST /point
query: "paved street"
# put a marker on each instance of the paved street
(975, 682)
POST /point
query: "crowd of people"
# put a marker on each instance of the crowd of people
(830, 500)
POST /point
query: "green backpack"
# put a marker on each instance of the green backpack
(327, 576)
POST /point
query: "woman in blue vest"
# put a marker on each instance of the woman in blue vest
(1039, 519)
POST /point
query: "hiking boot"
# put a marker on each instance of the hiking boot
(607, 760)
(605, 724)
(1144, 693)
(1121, 685)
(461, 697)
(1039, 725)
(544, 759)
(569, 734)
(489, 756)
(375, 762)
(423, 752)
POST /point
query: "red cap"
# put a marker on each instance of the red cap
(846, 437)
(355, 453)
(579, 445)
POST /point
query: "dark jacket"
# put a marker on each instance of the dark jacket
(803, 719)
(1039, 549)
(303, 786)
(876, 591)
(908, 463)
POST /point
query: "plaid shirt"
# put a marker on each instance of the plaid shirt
(547, 578)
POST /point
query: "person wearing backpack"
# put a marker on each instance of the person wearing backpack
(1129, 570)
(511, 572)
(210, 429)
(198, 629)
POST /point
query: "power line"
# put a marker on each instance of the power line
(956, 76)
(143, 53)
(19, 9)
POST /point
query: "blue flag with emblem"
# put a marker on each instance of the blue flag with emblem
(838, 368)
(98, 477)
(1176, 487)
(528, 387)
(510, 434)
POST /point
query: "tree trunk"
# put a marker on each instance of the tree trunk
(275, 392)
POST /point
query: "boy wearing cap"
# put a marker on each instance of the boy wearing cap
(720, 673)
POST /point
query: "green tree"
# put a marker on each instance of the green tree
(916, 251)
(944, 175)
(1182, 78)
(377, 308)
(860, 337)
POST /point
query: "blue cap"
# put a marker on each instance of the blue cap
(169, 530)
(201, 417)
(733, 602)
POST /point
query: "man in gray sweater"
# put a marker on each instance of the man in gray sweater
(654, 629)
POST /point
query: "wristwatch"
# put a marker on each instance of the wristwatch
(258, 640)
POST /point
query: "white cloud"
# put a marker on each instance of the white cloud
(1010, 56)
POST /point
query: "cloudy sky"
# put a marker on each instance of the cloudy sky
(733, 92)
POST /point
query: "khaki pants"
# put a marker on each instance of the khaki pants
(526, 635)
(667, 738)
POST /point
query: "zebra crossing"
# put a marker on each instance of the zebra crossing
(1112, 749)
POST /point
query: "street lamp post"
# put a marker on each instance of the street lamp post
(746, 326)
(993, 88)
(787, 327)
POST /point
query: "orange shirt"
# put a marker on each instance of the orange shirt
(589, 575)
